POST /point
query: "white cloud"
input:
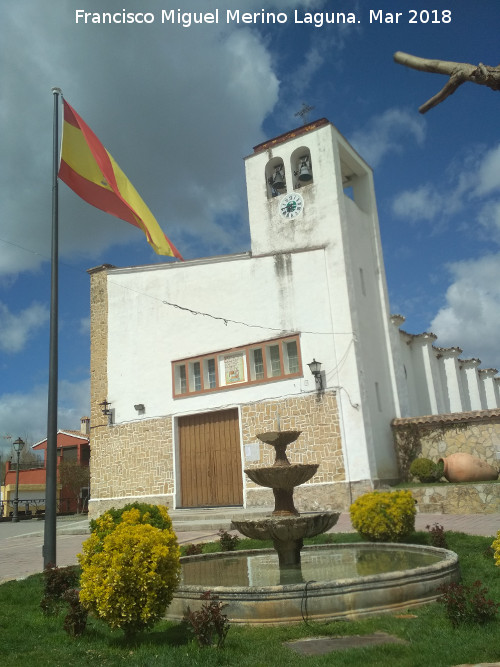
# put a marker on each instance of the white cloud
(17, 328)
(471, 317)
(470, 180)
(388, 133)
(424, 203)
(488, 175)
(84, 327)
(311, 62)
(489, 219)
(195, 106)
(25, 415)
(15, 259)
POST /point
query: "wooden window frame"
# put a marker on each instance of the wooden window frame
(206, 377)
(245, 351)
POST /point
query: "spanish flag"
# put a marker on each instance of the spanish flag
(90, 171)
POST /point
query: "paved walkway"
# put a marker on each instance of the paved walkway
(21, 543)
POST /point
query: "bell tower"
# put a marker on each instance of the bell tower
(297, 186)
(308, 189)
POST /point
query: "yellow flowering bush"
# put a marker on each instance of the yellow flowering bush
(496, 549)
(131, 579)
(155, 515)
(132, 514)
(384, 516)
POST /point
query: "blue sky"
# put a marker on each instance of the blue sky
(178, 108)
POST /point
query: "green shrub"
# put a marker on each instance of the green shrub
(208, 622)
(130, 582)
(57, 580)
(227, 541)
(193, 549)
(384, 516)
(426, 471)
(437, 536)
(75, 620)
(467, 604)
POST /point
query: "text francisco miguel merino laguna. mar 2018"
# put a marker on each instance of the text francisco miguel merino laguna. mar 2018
(188, 19)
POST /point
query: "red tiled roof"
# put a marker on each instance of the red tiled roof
(473, 415)
(304, 129)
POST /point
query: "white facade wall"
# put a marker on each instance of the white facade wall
(254, 291)
(487, 388)
(496, 388)
(400, 357)
(370, 315)
(450, 379)
(424, 391)
(434, 380)
(470, 381)
(433, 375)
(411, 376)
(258, 291)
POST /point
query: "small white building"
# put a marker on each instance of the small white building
(191, 360)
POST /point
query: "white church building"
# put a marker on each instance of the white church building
(190, 360)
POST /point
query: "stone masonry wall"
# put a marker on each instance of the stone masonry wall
(98, 371)
(136, 461)
(133, 462)
(438, 436)
(316, 415)
(98, 345)
(445, 498)
(480, 439)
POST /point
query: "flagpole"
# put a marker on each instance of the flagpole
(49, 545)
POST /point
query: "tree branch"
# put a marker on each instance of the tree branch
(459, 73)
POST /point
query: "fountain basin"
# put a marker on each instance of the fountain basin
(279, 438)
(287, 533)
(286, 528)
(342, 581)
(282, 477)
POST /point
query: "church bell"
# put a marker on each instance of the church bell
(278, 178)
(304, 170)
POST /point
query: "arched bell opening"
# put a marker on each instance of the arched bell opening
(302, 167)
(275, 178)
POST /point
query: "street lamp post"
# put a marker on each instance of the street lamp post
(18, 446)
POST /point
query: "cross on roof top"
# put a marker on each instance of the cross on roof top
(304, 113)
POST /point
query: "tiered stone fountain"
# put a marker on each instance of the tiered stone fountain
(285, 527)
(323, 582)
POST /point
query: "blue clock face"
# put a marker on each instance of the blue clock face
(291, 205)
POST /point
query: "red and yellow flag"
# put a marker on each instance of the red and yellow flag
(90, 171)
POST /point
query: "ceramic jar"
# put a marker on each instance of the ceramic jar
(463, 467)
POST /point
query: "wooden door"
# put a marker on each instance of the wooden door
(210, 459)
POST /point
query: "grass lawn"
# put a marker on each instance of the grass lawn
(28, 638)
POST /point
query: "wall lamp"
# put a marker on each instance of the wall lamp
(105, 407)
(107, 411)
(315, 368)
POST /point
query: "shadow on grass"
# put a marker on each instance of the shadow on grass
(163, 634)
